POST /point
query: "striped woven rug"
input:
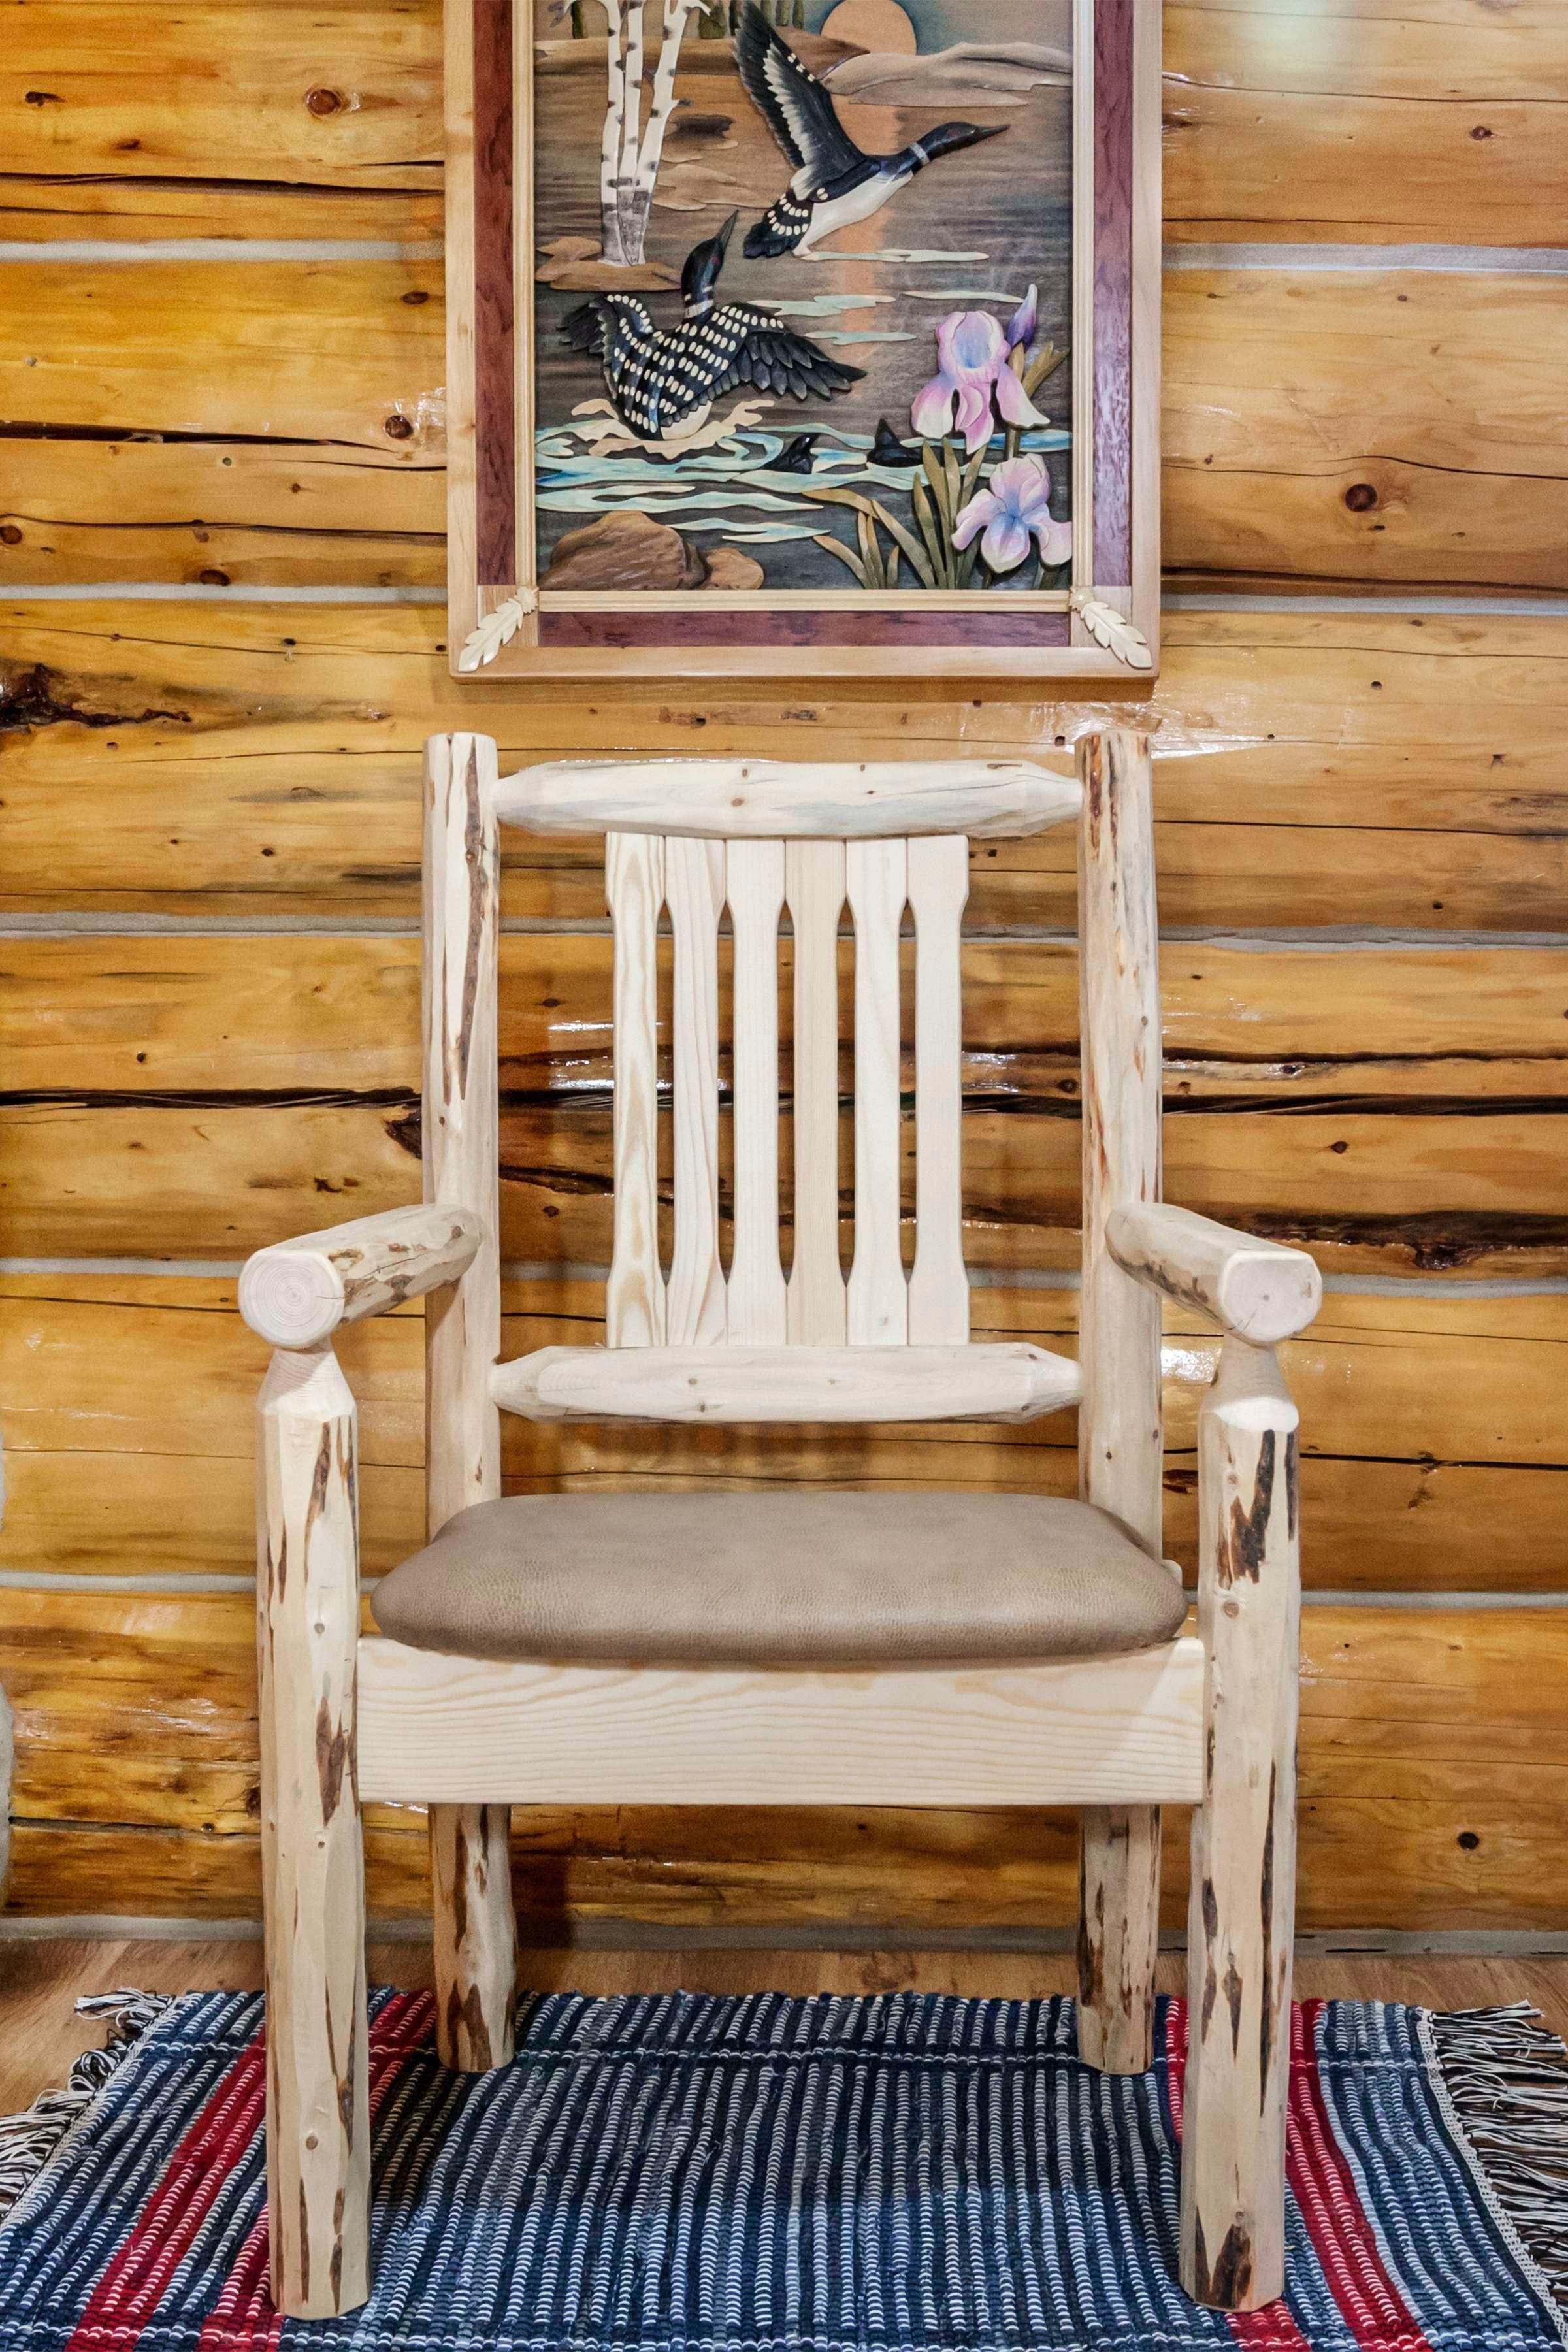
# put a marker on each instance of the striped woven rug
(691, 2173)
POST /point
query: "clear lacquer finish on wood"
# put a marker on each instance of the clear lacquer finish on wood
(818, 1233)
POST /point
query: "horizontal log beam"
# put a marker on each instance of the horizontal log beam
(1311, 769)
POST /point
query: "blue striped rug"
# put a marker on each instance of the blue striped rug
(693, 2173)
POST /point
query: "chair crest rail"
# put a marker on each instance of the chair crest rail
(727, 800)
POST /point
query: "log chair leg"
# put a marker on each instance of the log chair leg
(312, 1860)
(475, 1935)
(1118, 1935)
(1244, 1840)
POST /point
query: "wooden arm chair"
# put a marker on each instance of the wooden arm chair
(788, 1647)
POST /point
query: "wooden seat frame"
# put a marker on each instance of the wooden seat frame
(1209, 1719)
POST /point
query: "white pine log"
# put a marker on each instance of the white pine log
(790, 799)
(1259, 1290)
(313, 1856)
(1007, 1380)
(475, 1973)
(295, 1294)
(1120, 1435)
(1242, 1913)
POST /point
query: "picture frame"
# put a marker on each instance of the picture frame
(1095, 617)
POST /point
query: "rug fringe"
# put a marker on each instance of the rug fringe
(1506, 2077)
(28, 2141)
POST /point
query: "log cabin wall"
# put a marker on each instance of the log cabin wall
(221, 559)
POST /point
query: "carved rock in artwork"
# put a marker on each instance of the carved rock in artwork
(729, 568)
(630, 552)
(575, 265)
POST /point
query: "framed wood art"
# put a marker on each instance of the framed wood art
(804, 337)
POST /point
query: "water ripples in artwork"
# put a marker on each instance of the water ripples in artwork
(730, 489)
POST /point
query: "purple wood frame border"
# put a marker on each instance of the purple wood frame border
(1022, 631)
(1113, 113)
(495, 325)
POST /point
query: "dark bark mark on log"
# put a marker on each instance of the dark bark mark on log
(1240, 1551)
(1230, 2280)
(319, 1477)
(337, 2261)
(348, 1470)
(1292, 1493)
(277, 1566)
(1268, 2006)
(29, 701)
(461, 1886)
(1233, 1992)
(304, 2246)
(477, 868)
(1211, 1938)
(467, 2033)
(332, 1756)
(1091, 1985)
(346, 2081)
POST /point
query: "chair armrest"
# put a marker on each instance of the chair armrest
(295, 1294)
(1259, 1290)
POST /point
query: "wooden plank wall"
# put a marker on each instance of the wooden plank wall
(221, 648)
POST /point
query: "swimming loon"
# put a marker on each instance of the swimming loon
(834, 185)
(661, 380)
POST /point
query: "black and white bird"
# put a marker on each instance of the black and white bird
(662, 381)
(834, 183)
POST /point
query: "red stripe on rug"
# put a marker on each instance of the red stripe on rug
(1272, 2329)
(244, 2314)
(1369, 2302)
(133, 2285)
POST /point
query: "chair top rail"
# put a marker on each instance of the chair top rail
(790, 799)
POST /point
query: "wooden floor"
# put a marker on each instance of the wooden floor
(39, 1981)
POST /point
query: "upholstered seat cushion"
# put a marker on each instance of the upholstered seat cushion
(780, 1577)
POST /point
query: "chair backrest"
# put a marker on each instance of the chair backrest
(827, 848)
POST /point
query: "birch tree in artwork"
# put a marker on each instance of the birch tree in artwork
(629, 155)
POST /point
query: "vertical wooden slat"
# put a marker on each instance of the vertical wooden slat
(939, 1288)
(313, 1850)
(1120, 1458)
(814, 888)
(876, 884)
(477, 1963)
(754, 885)
(694, 893)
(1241, 1920)
(633, 882)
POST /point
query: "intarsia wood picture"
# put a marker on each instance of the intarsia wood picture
(803, 336)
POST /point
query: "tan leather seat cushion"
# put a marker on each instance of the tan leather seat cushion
(785, 1578)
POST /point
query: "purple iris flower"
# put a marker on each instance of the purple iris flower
(1014, 508)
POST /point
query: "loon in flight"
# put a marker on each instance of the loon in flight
(663, 379)
(833, 183)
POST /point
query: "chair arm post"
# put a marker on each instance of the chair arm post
(312, 1858)
(1120, 1456)
(1259, 1290)
(295, 1294)
(1242, 1907)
